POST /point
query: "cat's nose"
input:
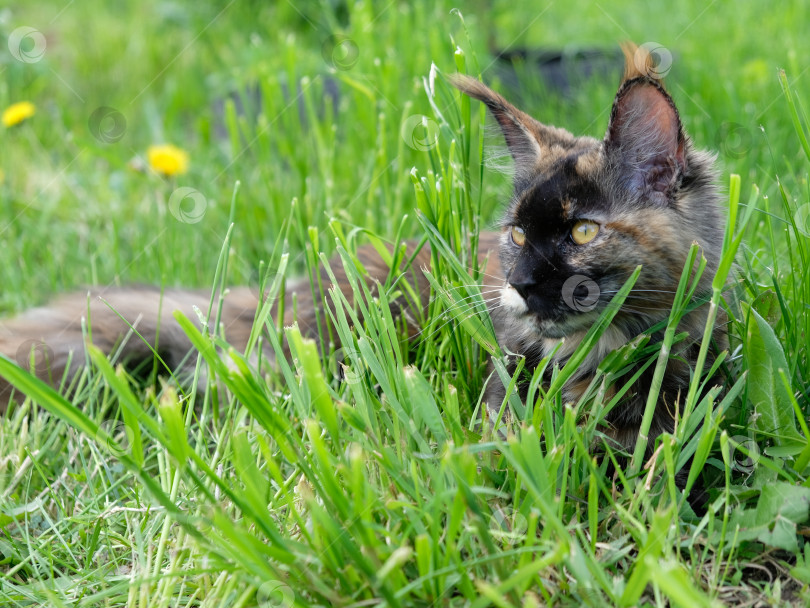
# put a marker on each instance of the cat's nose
(522, 285)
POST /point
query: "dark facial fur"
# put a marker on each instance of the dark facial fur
(650, 193)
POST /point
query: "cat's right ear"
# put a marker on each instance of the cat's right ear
(529, 141)
(646, 138)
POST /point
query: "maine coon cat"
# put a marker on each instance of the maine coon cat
(583, 214)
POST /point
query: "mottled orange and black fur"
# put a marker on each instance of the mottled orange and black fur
(132, 321)
(647, 190)
(651, 194)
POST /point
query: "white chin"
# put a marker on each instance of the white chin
(512, 301)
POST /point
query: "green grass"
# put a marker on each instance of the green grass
(371, 484)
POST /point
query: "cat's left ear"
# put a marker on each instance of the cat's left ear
(529, 140)
(646, 140)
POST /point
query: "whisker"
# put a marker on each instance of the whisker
(485, 274)
(456, 317)
(641, 291)
(642, 310)
(443, 325)
(483, 291)
(483, 294)
(476, 296)
(469, 305)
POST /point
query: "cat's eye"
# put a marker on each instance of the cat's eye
(584, 231)
(518, 236)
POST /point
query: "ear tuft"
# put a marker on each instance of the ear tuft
(639, 61)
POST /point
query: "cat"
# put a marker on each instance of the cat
(583, 214)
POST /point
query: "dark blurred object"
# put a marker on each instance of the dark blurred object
(560, 70)
(248, 103)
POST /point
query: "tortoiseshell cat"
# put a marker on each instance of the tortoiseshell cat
(584, 214)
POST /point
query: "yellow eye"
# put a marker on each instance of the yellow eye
(584, 231)
(518, 236)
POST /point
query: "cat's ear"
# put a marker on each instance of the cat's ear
(646, 140)
(528, 139)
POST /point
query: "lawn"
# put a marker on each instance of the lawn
(361, 478)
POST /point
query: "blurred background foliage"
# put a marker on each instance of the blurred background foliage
(305, 100)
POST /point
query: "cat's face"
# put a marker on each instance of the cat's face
(559, 247)
(585, 213)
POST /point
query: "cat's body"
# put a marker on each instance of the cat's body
(137, 323)
(583, 215)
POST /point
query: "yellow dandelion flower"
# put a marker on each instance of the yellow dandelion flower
(168, 160)
(17, 112)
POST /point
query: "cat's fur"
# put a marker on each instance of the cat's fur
(646, 186)
(651, 192)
